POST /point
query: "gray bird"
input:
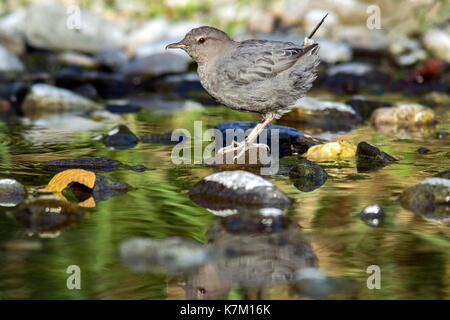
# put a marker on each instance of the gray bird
(260, 76)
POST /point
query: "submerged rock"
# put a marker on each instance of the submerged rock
(423, 150)
(55, 27)
(429, 198)
(291, 140)
(172, 255)
(323, 114)
(307, 176)
(11, 192)
(365, 107)
(372, 215)
(315, 284)
(331, 150)
(404, 115)
(370, 158)
(227, 191)
(47, 214)
(44, 98)
(104, 188)
(120, 138)
(96, 164)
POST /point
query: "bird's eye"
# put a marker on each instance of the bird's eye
(201, 40)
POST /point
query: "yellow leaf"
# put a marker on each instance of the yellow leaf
(61, 180)
(88, 203)
(331, 150)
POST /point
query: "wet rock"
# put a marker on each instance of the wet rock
(120, 138)
(331, 150)
(14, 92)
(47, 214)
(11, 31)
(369, 158)
(9, 64)
(354, 77)
(436, 99)
(334, 52)
(104, 188)
(50, 27)
(438, 42)
(111, 58)
(403, 114)
(108, 85)
(96, 164)
(11, 192)
(307, 176)
(156, 65)
(429, 198)
(121, 108)
(291, 141)
(361, 37)
(423, 150)
(71, 58)
(329, 115)
(227, 190)
(372, 215)
(87, 90)
(44, 98)
(407, 51)
(365, 107)
(172, 255)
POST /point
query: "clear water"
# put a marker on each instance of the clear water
(413, 253)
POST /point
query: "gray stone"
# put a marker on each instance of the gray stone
(438, 42)
(11, 192)
(156, 65)
(228, 190)
(55, 27)
(429, 198)
(44, 98)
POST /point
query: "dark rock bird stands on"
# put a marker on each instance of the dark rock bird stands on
(260, 76)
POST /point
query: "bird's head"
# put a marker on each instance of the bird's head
(203, 44)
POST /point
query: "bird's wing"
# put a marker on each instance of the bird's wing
(259, 60)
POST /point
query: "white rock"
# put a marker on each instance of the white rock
(360, 36)
(355, 68)
(238, 179)
(54, 27)
(293, 10)
(313, 104)
(333, 52)
(438, 42)
(151, 31)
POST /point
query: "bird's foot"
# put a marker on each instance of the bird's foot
(241, 148)
(249, 147)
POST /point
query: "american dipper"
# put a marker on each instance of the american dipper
(260, 76)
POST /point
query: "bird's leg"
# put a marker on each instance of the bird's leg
(248, 142)
(235, 146)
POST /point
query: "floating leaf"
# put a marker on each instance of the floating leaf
(61, 180)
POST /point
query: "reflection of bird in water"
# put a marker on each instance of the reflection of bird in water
(251, 260)
(260, 76)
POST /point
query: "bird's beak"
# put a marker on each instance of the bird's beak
(179, 45)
